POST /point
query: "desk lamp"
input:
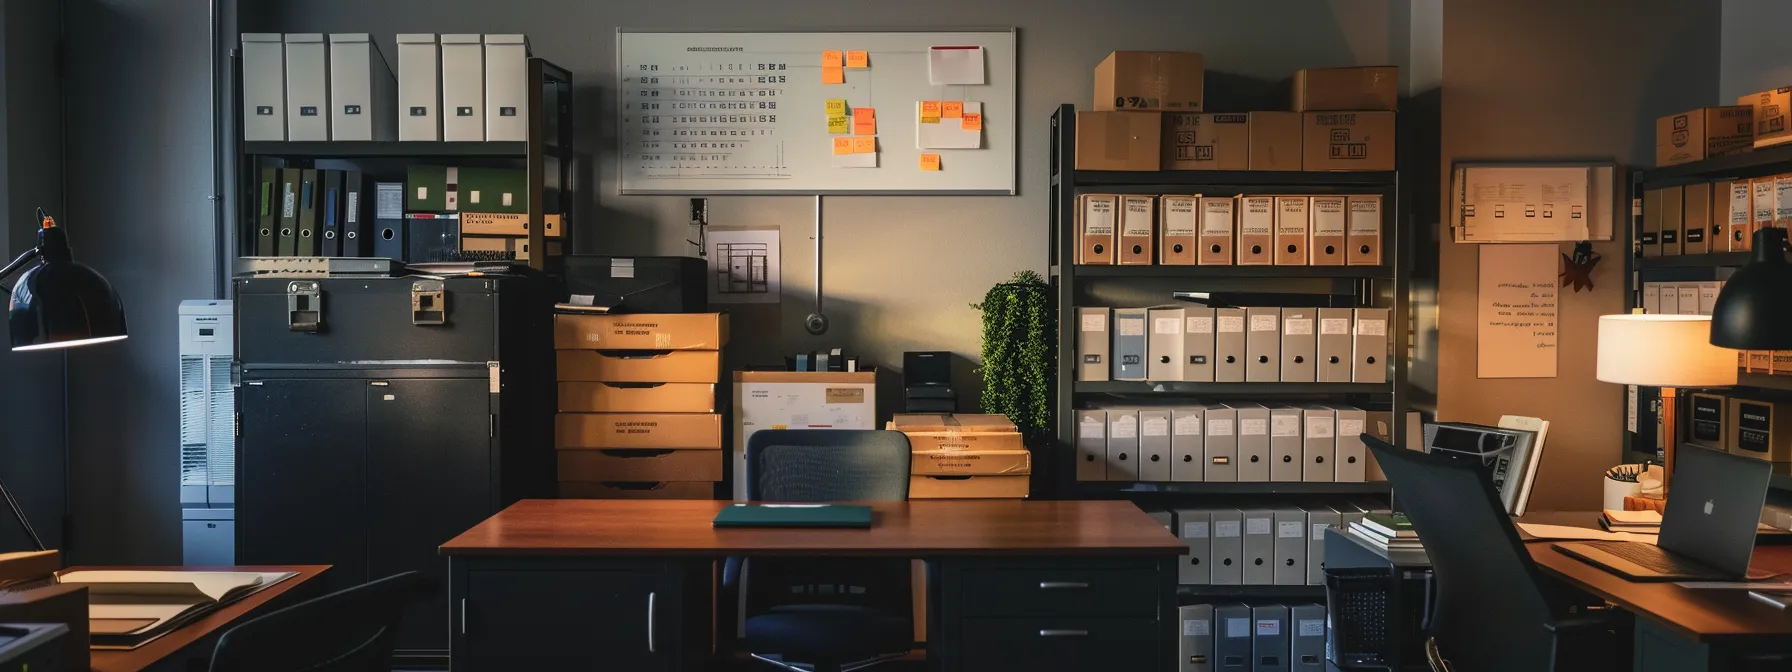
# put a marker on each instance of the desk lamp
(58, 304)
(1665, 351)
(1754, 310)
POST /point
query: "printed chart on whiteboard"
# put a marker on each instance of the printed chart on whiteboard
(856, 112)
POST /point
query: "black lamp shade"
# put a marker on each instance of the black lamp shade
(1754, 310)
(61, 304)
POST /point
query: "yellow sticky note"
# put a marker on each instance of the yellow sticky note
(951, 109)
(858, 59)
(837, 107)
(833, 75)
(843, 145)
(972, 122)
(830, 58)
(864, 126)
(837, 125)
(860, 145)
(864, 112)
(930, 162)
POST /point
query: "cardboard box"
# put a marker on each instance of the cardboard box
(1119, 140)
(494, 190)
(678, 366)
(930, 433)
(798, 400)
(969, 487)
(685, 331)
(1375, 87)
(676, 431)
(971, 463)
(629, 490)
(1165, 81)
(639, 465)
(1275, 141)
(505, 224)
(1771, 109)
(1207, 141)
(1703, 133)
(592, 397)
(1347, 141)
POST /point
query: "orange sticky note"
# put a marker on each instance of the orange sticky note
(972, 122)
(833, 75)
(843, 145)
(930, 162)
(951, 109)
(830, 58)
(930, 108)
(862, 145)
(858, 59)
(864, 113)
(864, 125)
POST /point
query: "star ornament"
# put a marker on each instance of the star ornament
(1577, 267)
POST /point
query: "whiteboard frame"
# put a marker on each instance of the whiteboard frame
(1013, 130)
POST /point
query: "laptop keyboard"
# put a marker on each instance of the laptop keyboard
(1650, 556)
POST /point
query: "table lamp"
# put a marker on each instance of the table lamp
(1665, 351)
(58, 304)
(1754, 310)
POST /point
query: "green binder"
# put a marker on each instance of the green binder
(794, 515)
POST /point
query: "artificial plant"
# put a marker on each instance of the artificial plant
(1019, 357)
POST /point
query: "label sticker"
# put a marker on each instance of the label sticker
(1298, 327)
(1196, 627)
(1288, 529)
(1195, 530)
(1312, 627)
(1253, 426)
(1263, 323)
(1200, 325)
(1095, 322)
(1166, 325)
(1223, 529)
(1257, 525)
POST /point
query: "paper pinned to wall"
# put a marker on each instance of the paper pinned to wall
(745, 264)
(952, 135)
(955, 65)
(1517, 321)
(1532, 204)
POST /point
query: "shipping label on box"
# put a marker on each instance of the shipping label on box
(971, 463)
(674, 431)
(1347, 141)
(1771, 109)
(1207, 142)
(1703, 133)
(687, 331)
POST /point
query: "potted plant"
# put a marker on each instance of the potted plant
(1019, 354)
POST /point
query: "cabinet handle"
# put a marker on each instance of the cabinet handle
(463, 616)
(1061, 585)
(1063, 633)
(650, 644)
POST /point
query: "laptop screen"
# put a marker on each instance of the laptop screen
(1714, 504)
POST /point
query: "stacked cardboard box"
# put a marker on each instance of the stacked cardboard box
(637, 415)
(965, 456)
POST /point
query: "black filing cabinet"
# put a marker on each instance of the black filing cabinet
(381, 417)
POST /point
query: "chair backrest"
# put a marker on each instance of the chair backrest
(1491, 613)
(346, 631)
(827, 465)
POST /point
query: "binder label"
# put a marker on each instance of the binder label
(1187, 425)
(1257, 525)
(1197, 627)
(1130, 327)
(308, 111)
(1253, 427)
(264, 110)
(1334, 326)
(1238, 627)
(1125, 429)
(1092, 430)
(1284, 424)
(1365, 217)
(1319, 531)
(1312, 627)
(1263, 323)
(351, 109)
(1095, 322)
(1155, 426)
(1288, 529)
(1298, 327)
(1269, 627)
(289, 204)
(1221, 427)
(1319, 427)
(419, 111)
(1200, 325)
(1372, 327)
(1224, 529)
(1166, 325)
(1194, 530)
(1232, 324)
(1349, 427)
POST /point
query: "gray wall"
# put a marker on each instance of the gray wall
(1756, 55)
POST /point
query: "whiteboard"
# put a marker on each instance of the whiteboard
(734, 113)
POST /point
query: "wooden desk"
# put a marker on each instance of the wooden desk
(628, 584)
(194, 641)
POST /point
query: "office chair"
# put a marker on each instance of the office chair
(345, 631)
(1493, 611)
(832, 615)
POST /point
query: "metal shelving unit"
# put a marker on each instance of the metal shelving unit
(1116, 488)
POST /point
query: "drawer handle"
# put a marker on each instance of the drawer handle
(1062, 585)
(650, 643)
(1063, 633)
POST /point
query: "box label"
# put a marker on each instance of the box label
(1312, 627)
(1263, 323)
(845, 395)
(1186, 425)
(1220, 427)
(1754, 425)
(1195, 530)
(1334, 326)
(1225, 529)
(1196, 627)
(1231, 324)
(1319, 427)
(1269, 628)
(1319, 531)
(1238, 627)
(1166, 325)
(1371, 327)
(1155, 426)
(1092, 429)
(1288, 529)
(1095, 322)
(1350, 427)
(1257, 525)
(1253, 427)
(1124, 429)
(1200, 325)
(1298, 327)
(1284, 425)
(1098, 217)
(1130, 326)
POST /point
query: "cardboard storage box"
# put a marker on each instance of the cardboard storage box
(494, 190)
(677, 431)
(1374, 87)
(968, 487)
(677, 366)
(588, 397)
(1771, 109)
(1118, 140)
(264, 86)
(798, 400)
(1195, 141)
(1166, 81)
(688, 331)
(929, 433)
(637, 490)
(505, 224)
(1275, 141)
(971, 463)
(1347, 141)
(1703, 133)
(363, 91)
(307, 87)
(639, 465)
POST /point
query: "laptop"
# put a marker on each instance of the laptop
(1708, 531)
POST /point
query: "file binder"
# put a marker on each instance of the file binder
(1292, 230)
(1299, 345)
(1191, 527)
(1092, 343)
(1285, 448)
(1291, 547)
(1688, 298)
(308, 198)
(1370, 347)
(1195, 647)
(1256, 229)
(1269, 645)
(1318, 521)
(331, 240)
(1188, 454)
(1259, 547)
(1672, 220)
(1253, 442)
(1763, 204)
(1137, 229)
(264, 87)
(1352, 456)
(1668, 302)
(1232, 647)
(1319, 444)
(1334, 345)
(1217, 226)
(1097, 219)
(1179, 221)
(307, 88)
(1650, 236)
(1329, 219)
(1740, 230)
(463, 87)
(1228, 345)
(287, 244)
(1363, 232)
(1154, 445)
(1695, 218)
(1091, 445)
(355, 215)
(1197, 345)
(389, 240)
(1263, 345)
(267, 217)
(1129, 343)
(1165, 345)
(1221, 445)
(1227, 548)
(1123, 445)
(1307, 647)
(1652, 298)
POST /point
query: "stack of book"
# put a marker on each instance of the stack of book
(1642, 522)
(1388, 531)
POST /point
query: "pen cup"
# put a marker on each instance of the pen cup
(1616, 491)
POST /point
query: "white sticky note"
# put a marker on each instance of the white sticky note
(955, 65)
(866, 160)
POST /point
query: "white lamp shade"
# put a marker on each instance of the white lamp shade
(1662, 351)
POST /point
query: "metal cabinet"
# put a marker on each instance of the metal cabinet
(543, 614)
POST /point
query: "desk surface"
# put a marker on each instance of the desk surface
(172, 643)
(899, 529)
(1704, 615)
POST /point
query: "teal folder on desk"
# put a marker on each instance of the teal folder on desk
(794, 515)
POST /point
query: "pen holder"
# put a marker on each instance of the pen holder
(1616, 491)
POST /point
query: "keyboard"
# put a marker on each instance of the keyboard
(1650, 556)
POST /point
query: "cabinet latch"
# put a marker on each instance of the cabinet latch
(429, 303)
(304, 306)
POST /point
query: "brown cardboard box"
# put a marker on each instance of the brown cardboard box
(1167, 81)
(677, 366)
(635, 490)
(1703, 133)
(1347, 141)
(1275, 141)
(639, 465)
(971, 463)
(1119, 140)
(1375, 87)
(516, 245)
(590, 397)
(968, 487)
(678, 431)
(688, 331)
(930, 433)
(505, 224)
(1207, 141)
(53, 603)
(1771, 110)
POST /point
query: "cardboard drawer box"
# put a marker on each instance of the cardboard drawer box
(677, 431)
(688, 331)
(637, 398)
(682, 366)
(971, 463)
(637, 490)
(968, 487)
(639, 465)
(957, 432)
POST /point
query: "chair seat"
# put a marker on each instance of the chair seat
(838, 632)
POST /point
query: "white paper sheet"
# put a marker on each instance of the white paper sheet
(745, 264)
(955, 65)
(1525, 204)
(1563, 532)
(1516, 325)
(866, 160)
(948, 133)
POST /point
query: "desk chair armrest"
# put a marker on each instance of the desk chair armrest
(731, 567)
(1601, 619)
